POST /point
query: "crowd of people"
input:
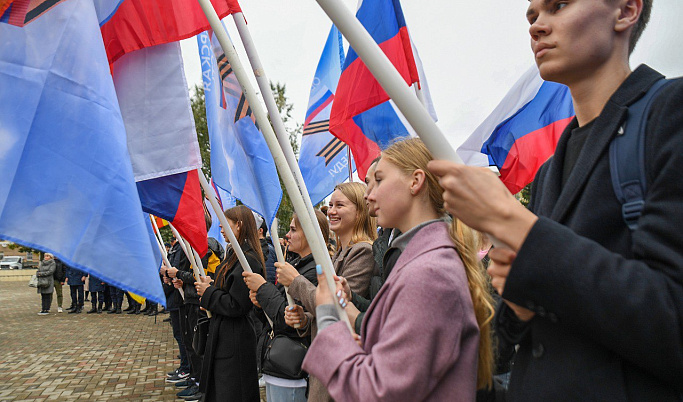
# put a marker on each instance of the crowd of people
(53, 274)
(586, 306)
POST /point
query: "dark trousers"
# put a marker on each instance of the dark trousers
(116, 295)
(76, 295)
(46, 299)
(107, 298)
(178, 335)
(189, 314)
(95, 297)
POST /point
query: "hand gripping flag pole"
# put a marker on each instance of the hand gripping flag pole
(164, 254)
(271, 106)
(280, 258)
(308, 224)
(392, 82)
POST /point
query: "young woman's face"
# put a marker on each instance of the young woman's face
(342, 214)
(296, 238)
(391, 194)
(571, 38)
(370, 182)
(235, 229)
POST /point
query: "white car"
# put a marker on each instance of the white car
(12, 263)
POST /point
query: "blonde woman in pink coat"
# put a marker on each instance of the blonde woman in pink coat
(426, 335)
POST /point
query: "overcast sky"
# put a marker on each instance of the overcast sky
(472, 51)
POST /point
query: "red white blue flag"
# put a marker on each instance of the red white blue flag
(522, 132)
(361, 116)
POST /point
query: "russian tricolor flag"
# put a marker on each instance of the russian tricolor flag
(522, 132)
(358, 92)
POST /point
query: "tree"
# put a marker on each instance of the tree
(294, 130)
(199, 111)
(524, 195)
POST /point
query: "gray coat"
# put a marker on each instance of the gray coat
(46, 282)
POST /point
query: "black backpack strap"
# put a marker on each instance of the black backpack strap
(627, 158)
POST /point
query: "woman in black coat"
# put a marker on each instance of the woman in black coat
(271, 300)
(229, 371)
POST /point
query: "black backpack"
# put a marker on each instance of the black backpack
(627, 157)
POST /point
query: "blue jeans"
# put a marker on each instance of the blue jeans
(285, 394)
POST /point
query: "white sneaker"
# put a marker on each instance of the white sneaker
(59, 310)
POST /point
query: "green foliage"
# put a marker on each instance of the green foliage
(524, 195)
(199, 111)
(24, 249)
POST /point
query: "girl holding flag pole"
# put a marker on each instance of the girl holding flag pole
(426, 335)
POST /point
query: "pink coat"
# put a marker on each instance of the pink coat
(421, 335)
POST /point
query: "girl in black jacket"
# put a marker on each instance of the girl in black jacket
(271, 300)
(229, 371)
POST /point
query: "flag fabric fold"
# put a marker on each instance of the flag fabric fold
(68, 185)
(323, 157)
(162, 140)
(361, 115)
(143, 23)
(241, 162)
(522, 132)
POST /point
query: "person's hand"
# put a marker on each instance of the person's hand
(172, 272)
(294, 315)
(322, 291)
(252, 297)
(203, 283)
(499, 269)
(352, 312)
(344, 285)
(62, 283)
(481, 201)
(177, 283)
(166, 279)
(162, 270)
(253, 281)
(286, 273)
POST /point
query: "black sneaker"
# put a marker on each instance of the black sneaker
(184, 384)
(172, 373)
(194, 398)
(192, 391)
(178, 377)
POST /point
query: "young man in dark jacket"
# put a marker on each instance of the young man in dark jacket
(596, 308)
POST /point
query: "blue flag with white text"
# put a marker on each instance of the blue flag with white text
(67, 182)
(241, 162)
(323, 158)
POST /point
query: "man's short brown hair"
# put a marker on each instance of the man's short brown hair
(640, 25)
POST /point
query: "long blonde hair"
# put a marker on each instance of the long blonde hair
(365, 226)
(409, 155)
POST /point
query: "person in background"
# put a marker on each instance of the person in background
(96, 286)
(268, 251)
(75, 279)
(116, 295)
(59, 278)
(45, 275)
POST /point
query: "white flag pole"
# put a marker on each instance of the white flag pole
(308, 224)
(164, 254)
(213, 199)
(280, 258)
(192, 256)
(271, 106)
(391, 81)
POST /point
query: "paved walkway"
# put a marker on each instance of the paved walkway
(96, 357)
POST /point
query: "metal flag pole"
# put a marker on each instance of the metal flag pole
(392, 82)
(349, 158)
(308, 224)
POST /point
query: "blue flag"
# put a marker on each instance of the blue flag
(67, 182)
(323, 158)
(241, 163)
